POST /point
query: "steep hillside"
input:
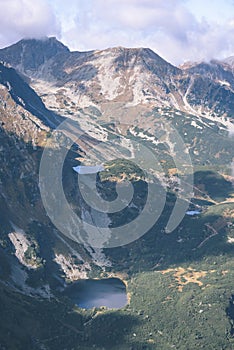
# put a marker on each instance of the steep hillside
(25, 96)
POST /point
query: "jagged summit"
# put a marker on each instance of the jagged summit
(46, 43)
(188, 64)
(30, 54)
(129, 50)
(127, 57)
(230, 61)
(216, 71)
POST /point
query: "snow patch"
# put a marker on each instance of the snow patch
(21, 243)
(71, 270)
(224, 82)
(193, 123)
(230, 239)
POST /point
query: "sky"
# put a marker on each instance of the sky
(177, 30)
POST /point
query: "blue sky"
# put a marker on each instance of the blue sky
(178, 30)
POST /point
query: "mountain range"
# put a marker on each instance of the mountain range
(126, 76)
(127, 96)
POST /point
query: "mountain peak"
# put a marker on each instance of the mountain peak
(32, 53)
(139, 51)
(124, 58)
(44, 42)
(229, 61)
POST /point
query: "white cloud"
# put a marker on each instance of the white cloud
(168, 27)
(26, 18)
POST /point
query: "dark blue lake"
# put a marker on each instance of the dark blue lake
(110, 292)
